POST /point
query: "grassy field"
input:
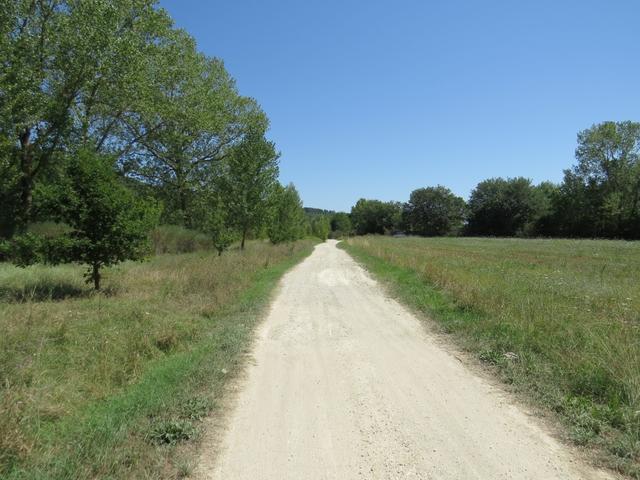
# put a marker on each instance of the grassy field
(558, 319)
(112, 385)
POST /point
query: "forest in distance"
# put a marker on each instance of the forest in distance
(599, 197)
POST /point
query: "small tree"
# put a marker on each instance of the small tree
(110, 224)
(218, 226)
(249, 175)
(288, 220)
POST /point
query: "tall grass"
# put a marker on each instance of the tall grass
(111, 385)
(177, 239)
(565, 312)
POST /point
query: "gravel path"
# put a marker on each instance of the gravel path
(347, 384)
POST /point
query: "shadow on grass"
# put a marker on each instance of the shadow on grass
(47, 291)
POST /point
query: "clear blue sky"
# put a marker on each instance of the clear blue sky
(376, 98)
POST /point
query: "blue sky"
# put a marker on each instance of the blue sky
(376, 98)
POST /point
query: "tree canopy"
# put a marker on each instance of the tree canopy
(434, 211)
(110, 119)
(375, 216)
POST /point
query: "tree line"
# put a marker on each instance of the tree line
(112, 121)
(599, 197)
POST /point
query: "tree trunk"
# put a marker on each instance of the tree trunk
(95, 275)
(244, 237)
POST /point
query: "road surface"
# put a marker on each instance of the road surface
(347, 384)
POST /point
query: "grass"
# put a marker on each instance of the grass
(114, 385)
(177, 239)
(559, 320)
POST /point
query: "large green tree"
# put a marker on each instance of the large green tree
(194, 119)
(600, 195)
(434, 211)
(504, 207)
(69, 70)
(375, 216)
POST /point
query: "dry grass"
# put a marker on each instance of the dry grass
(83, 373)
(569, 310)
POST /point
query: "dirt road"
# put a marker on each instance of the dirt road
(346, 384)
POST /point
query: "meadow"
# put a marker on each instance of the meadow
(115, 384)
(558, 320)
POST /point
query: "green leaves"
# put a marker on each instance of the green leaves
(375, 216)
(110, 224)
(434, 211)
(192, 120)
(603, 189)
(287, 222)
(71, 69)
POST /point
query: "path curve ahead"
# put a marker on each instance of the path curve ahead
(347, 384)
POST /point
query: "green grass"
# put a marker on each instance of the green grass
(114, 385)
(568, 309)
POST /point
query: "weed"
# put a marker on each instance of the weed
(170, 432)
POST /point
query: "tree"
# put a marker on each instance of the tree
(548, 221)
(600, 196)
(218, 225)
(194, 119)
(320, 227)
(503, 207)
(109, 223)
(65, 64)
(375, 216)
(434, 211)
(341, 224)
(287, 219)
(248, 177)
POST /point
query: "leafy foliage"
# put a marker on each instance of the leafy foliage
(600, 196)
(434, 211)
(247, 181)
(375, 216)
(287, 223)
(320, 227)
(70, 70)
(341, 224)
(109, 223)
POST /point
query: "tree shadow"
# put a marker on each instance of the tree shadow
(43, 291)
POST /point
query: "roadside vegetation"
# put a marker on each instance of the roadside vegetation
(121, 142)
(558, 319)
(112, 123)
(114, 384)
